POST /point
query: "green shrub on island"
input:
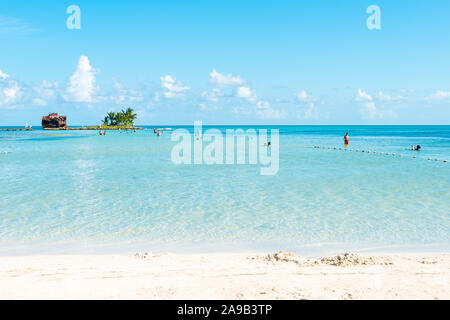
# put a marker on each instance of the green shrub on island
(120, 119)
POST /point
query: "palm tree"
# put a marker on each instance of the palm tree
(112, 118)
(126, 117)
(130, 116)
(120, 118)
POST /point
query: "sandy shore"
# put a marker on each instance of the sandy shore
(225, 276)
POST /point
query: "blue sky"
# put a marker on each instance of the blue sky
(226, 62)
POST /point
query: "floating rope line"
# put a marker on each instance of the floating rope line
(374, 152)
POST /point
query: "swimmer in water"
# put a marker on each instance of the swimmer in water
(100, 133)
(346, 140)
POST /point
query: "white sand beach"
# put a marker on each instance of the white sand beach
(225, 276)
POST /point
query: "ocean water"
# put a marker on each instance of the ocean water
(78, 192)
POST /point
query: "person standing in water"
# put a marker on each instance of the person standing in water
(346, 141)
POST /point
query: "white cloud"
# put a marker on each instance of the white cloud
(10, 93)
(10, 25)
(212, 96)
(3, 75)
(303, 96)
(174, 89)
(381, 96)
(384, 97)
(265, 111)
(439, 95)
(82, 82)
(40, 102)
(309, 113)
(46, 92)
(369, 109)
(126, 96)
(271, 114)
(263, 105)
(363, 96)
(117, 85)
(223, 80)
(246, 93)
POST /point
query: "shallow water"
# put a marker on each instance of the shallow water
(76, 191)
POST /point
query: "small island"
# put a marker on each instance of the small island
(120, 120)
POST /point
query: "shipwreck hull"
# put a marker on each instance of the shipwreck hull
(54, 121)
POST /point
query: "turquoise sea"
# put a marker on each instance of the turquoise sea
(78, 192)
